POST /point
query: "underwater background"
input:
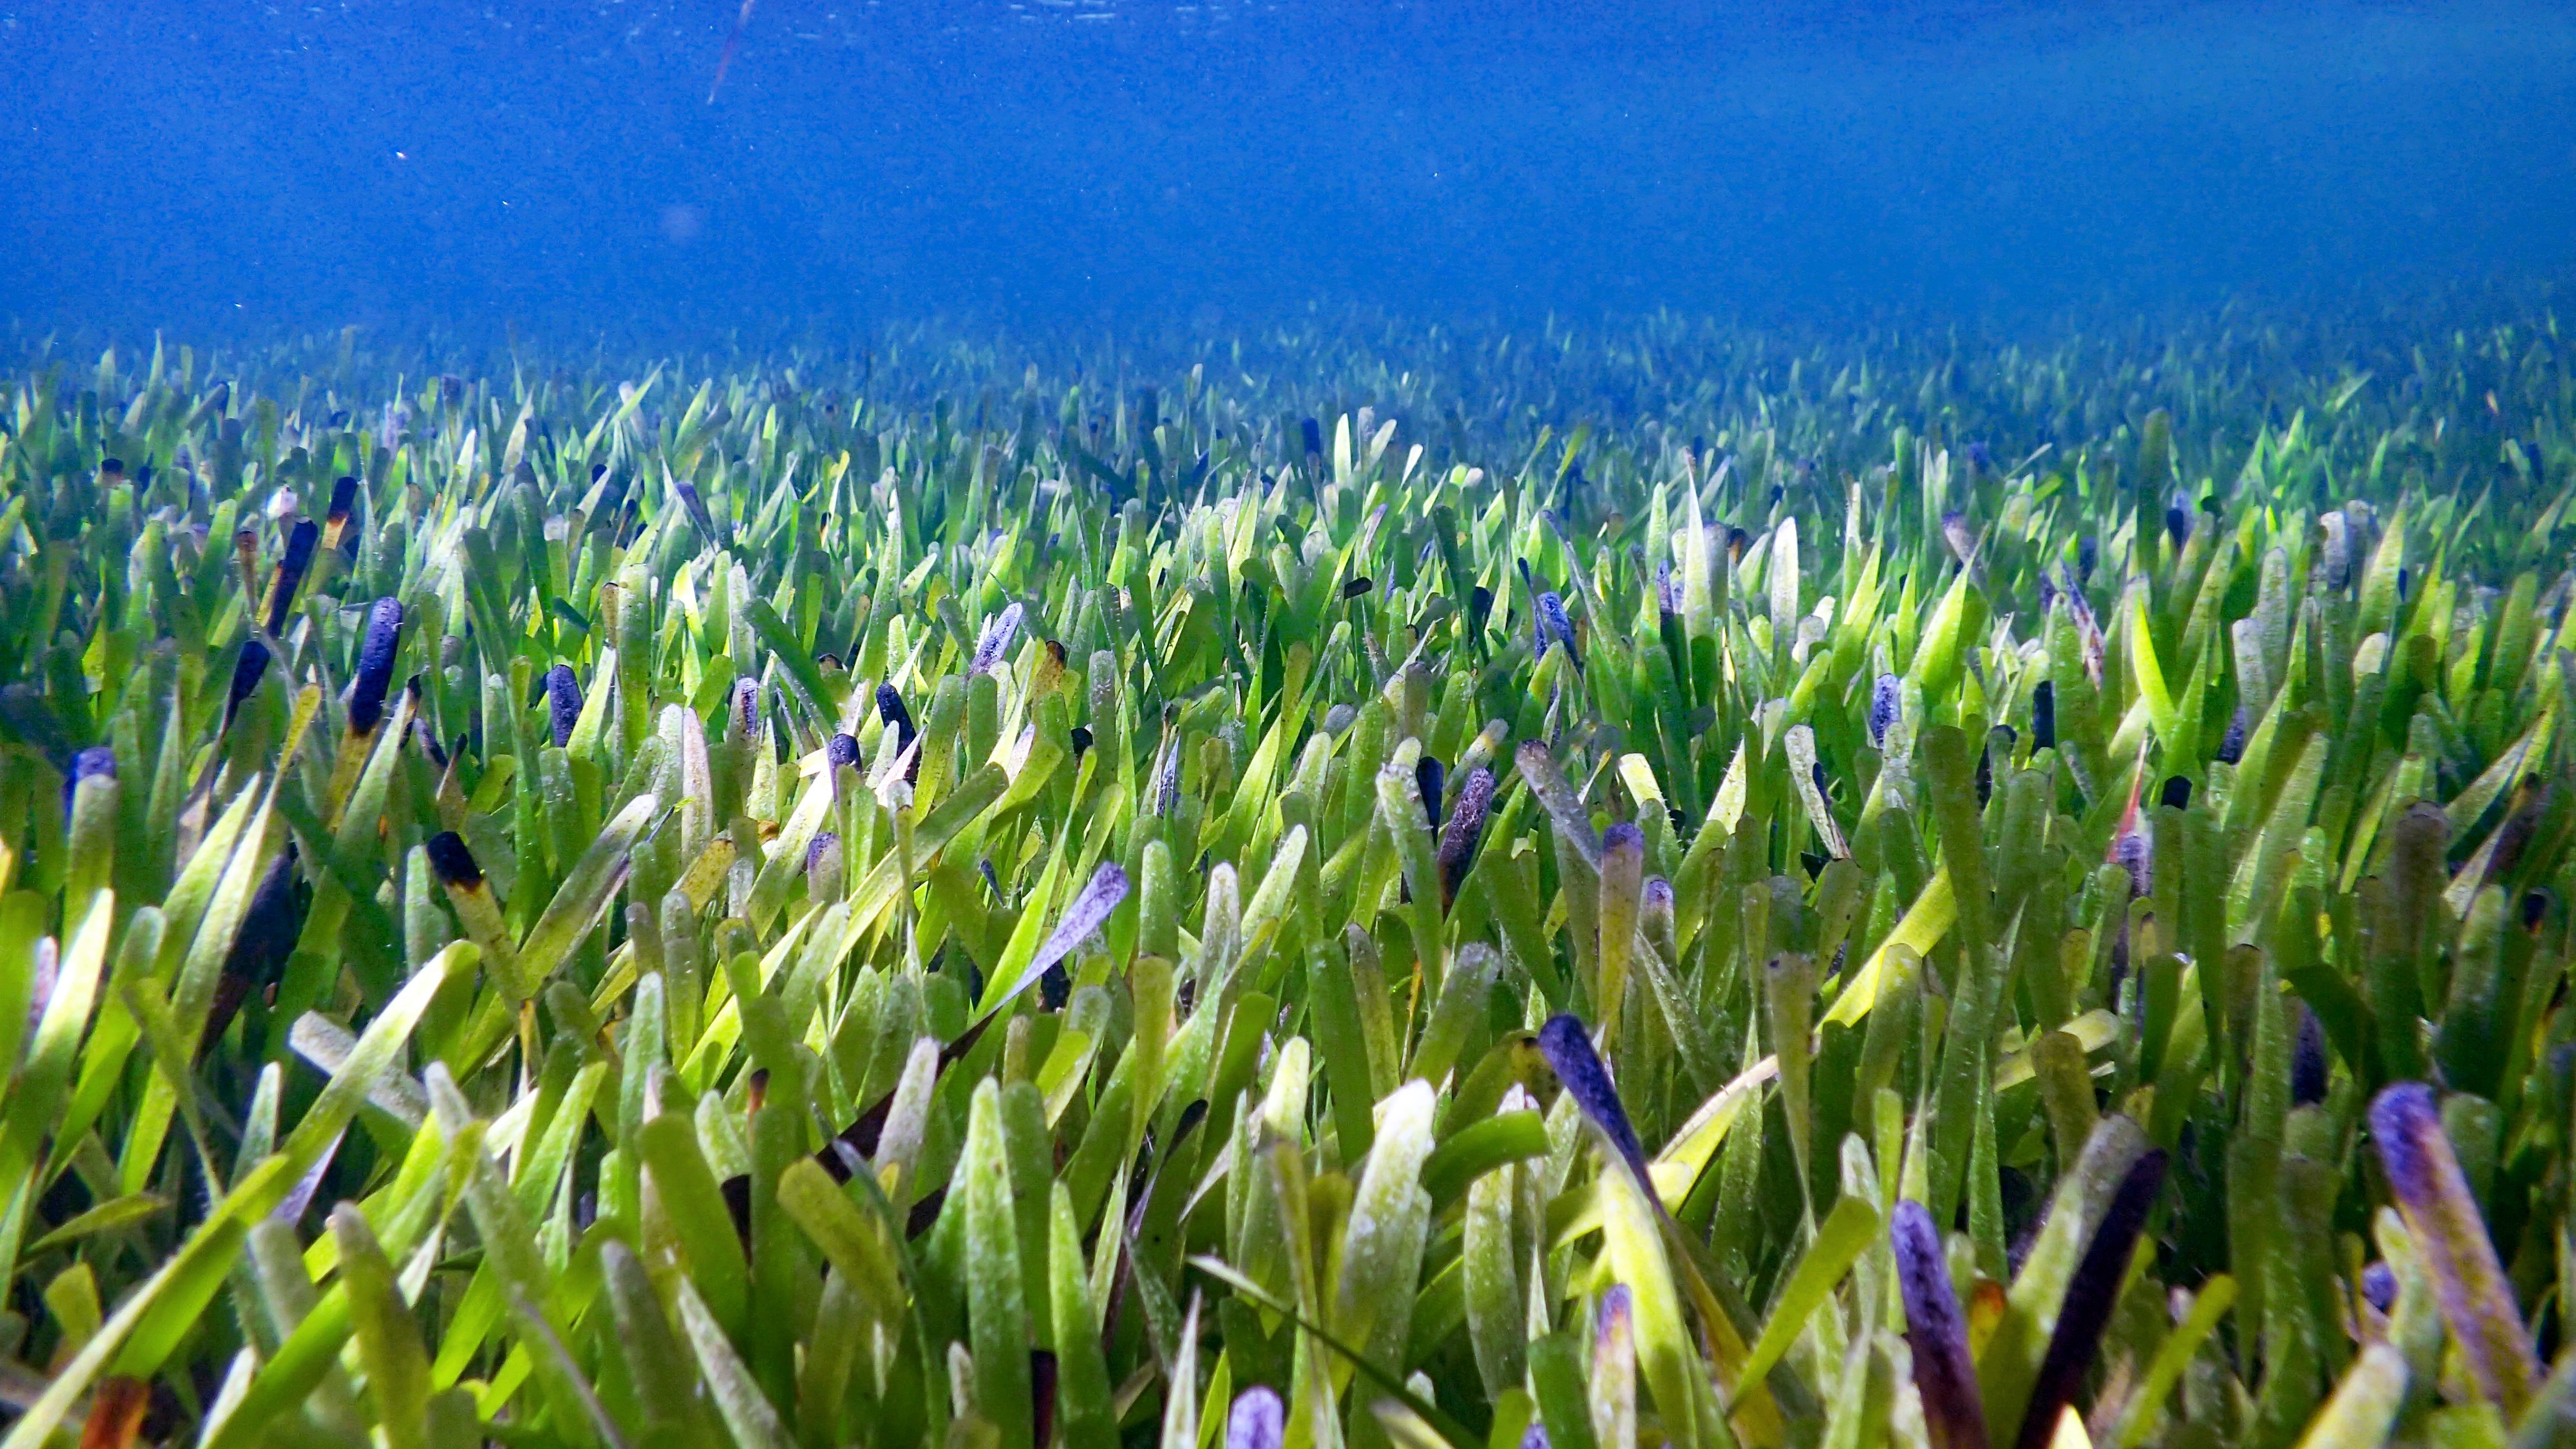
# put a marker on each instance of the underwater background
(1119, 724)
(575, 170)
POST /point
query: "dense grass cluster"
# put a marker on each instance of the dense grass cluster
(1370, 887)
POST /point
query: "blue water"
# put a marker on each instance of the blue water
(561, 169)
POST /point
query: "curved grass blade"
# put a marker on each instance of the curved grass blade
(746, 1411)
(1451, 1432)
(1564, 808)
(2090, 1296)
(2364, 1408)
(1954, 1408)
(1081, 920)
(2451, 1239)
(1839, 1241)
(2173, 1356)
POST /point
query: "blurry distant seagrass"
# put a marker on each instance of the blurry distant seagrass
(1375, 886)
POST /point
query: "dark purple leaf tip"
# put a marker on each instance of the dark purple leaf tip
(2231, 746)
(1885, 703)
(1466, 825)
(2379, 1285)
(996, 640)
(1042, 1395)
(1615, 1314)
(2134, 854)
(453, 863)
(269, 926)
(1258, 1420)
(2308, 1075)
(1954, 1411)
(563, 703)
(890, 709)
(248, 670)
(1553, 625)
(1088, 913)
(375, 665)
(290, 571)
(98, 762)
(2403, 1122)
(1568, 1049)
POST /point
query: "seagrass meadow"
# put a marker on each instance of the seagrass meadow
(1364, 885)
